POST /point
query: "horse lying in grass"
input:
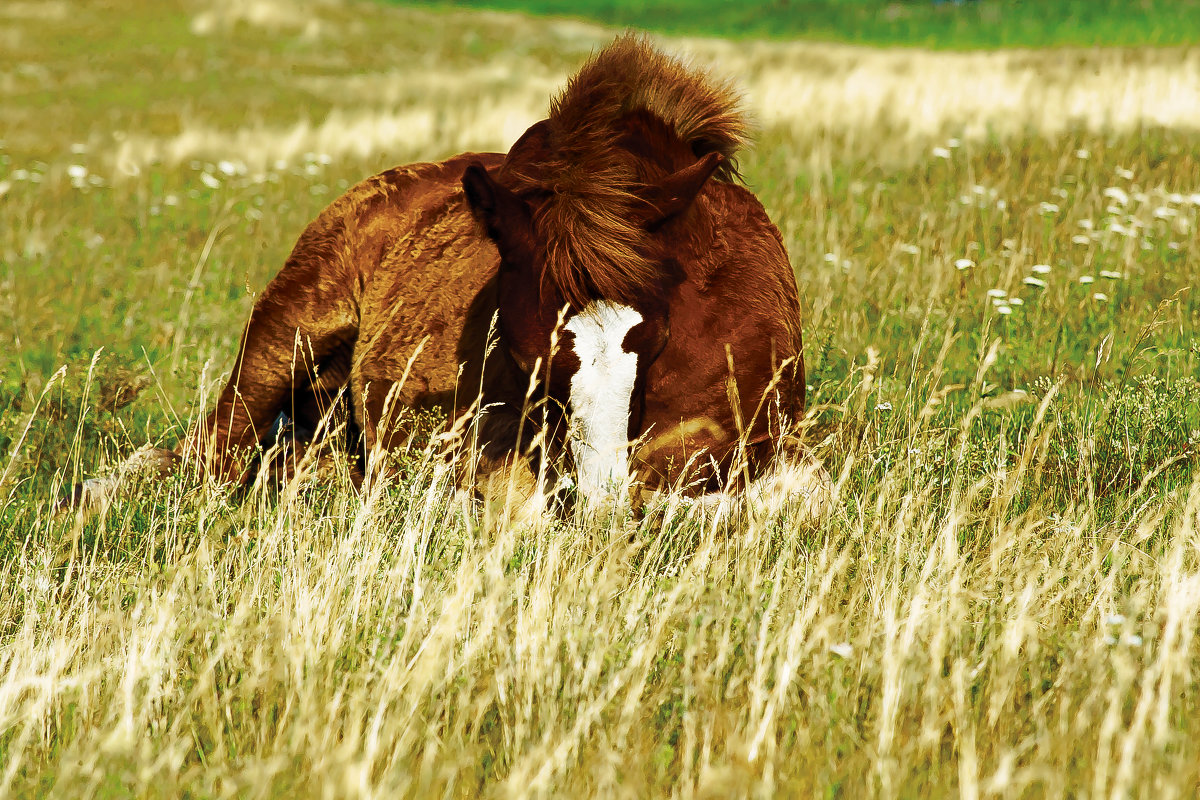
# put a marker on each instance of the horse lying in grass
(632, 279)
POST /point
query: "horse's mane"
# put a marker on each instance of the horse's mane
(596, 245)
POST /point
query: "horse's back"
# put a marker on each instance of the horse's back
(428, 291)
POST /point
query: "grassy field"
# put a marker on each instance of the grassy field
(995, 253)
(958, 25)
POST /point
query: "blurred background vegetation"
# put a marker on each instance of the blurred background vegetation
(927, 23)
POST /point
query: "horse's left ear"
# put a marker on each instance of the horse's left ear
(675, 193)
(503, 213)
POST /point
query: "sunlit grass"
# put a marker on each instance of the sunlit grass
(1002, 350)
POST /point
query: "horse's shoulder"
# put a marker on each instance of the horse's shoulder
(734, 201)
(409, 186)
(745, 263)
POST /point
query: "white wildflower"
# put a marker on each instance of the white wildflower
(996, 293)
(1082, 154)
(963, 263)
(1117, 195)
(841, 650)
(209, 181)
(1038, 282)
(1111, 274)
(1041, 269)
(941, 152)
(1100, 297)
(1085, 279)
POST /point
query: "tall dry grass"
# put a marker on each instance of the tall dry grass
(406, 643)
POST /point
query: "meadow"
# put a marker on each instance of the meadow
(942, 24)
(995, 252)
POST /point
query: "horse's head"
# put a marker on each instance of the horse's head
(591, 351)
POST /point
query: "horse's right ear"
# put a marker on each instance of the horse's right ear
(503, 213)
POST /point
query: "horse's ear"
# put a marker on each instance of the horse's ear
(675, 193)
(503, 213)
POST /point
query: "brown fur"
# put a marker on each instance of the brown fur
(389, 294)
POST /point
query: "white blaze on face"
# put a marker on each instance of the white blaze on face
(600, 396)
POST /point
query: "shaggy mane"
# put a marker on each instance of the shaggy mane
(586, 165)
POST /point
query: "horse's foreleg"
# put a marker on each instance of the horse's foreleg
(279, 364)
(306, 318)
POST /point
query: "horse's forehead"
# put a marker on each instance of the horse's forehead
(601, 325)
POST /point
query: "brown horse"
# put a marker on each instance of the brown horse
(644, 291)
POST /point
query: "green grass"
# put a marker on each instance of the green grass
(982, 24)
(1004, 599)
